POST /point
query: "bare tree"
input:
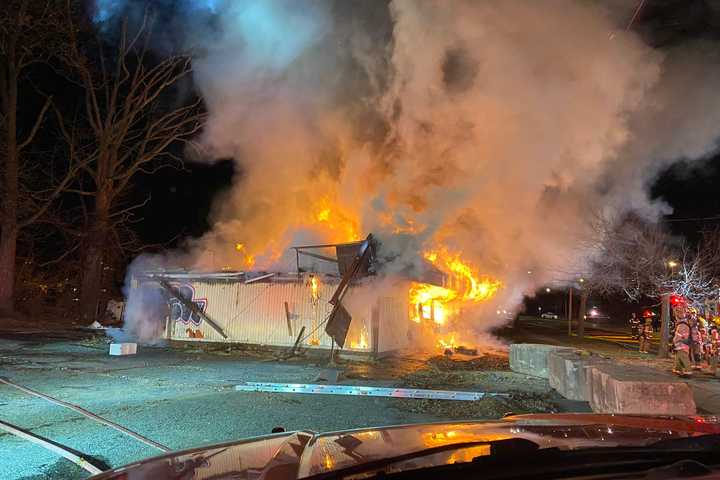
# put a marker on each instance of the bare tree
(30, 33)
(695, 272)
(131, 106)
(640, 259)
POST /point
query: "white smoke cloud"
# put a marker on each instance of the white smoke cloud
(494, 126)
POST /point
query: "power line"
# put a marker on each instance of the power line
(693, 219)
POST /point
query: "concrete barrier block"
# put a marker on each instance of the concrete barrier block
(568, 372)
(623, 389)
(532, 358)
(123, 348)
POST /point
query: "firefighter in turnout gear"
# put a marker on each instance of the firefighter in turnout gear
(634, 323)
(682, 340)
(696, 343)
(714, 349)
(645, 335)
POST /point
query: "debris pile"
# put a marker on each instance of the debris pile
(485, 362)
(441, 372)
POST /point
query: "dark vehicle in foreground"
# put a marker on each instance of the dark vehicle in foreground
(524, 446)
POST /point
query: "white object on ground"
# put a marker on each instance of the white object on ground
(96, 326)
(123, 348)
(364, 391)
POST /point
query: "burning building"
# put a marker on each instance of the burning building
(354, 306)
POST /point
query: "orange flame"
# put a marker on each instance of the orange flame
(314, 286)
(248, 258)
(438, 304)
(449, 344)
(340, 224)
(361, 342)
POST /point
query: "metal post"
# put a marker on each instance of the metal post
(581, 313)
(569, 311)
(664, 326)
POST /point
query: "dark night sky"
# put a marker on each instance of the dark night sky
(181, 200)
(691, 189)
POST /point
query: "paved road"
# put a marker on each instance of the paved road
(612, 335)
(177, 398)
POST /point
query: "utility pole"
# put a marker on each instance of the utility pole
(581, 314)
(664, 325)
(569, 310)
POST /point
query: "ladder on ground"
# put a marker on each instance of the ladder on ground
(419, 393)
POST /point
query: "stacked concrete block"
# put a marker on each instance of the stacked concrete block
(568, 372)
(622, 389)
(532, 358)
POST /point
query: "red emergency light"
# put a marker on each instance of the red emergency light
(676, 300)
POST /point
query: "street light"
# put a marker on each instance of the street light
(672, 264)
(582, 280)
(547, 290)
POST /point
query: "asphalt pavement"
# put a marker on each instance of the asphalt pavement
(184, 398)
(175, 398)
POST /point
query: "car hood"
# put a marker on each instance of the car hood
(303, 454)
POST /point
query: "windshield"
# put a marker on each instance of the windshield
(226, 219)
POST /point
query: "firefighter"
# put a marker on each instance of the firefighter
(696, 346)
(645, 336)
(714, 349)
(681, 340)
(634, 323)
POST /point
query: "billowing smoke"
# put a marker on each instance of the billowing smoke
(492, 128)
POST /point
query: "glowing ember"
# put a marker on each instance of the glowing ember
(438, 304)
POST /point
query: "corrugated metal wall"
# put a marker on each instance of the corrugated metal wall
(255, 314)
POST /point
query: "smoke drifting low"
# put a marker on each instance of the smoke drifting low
(493, 128)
